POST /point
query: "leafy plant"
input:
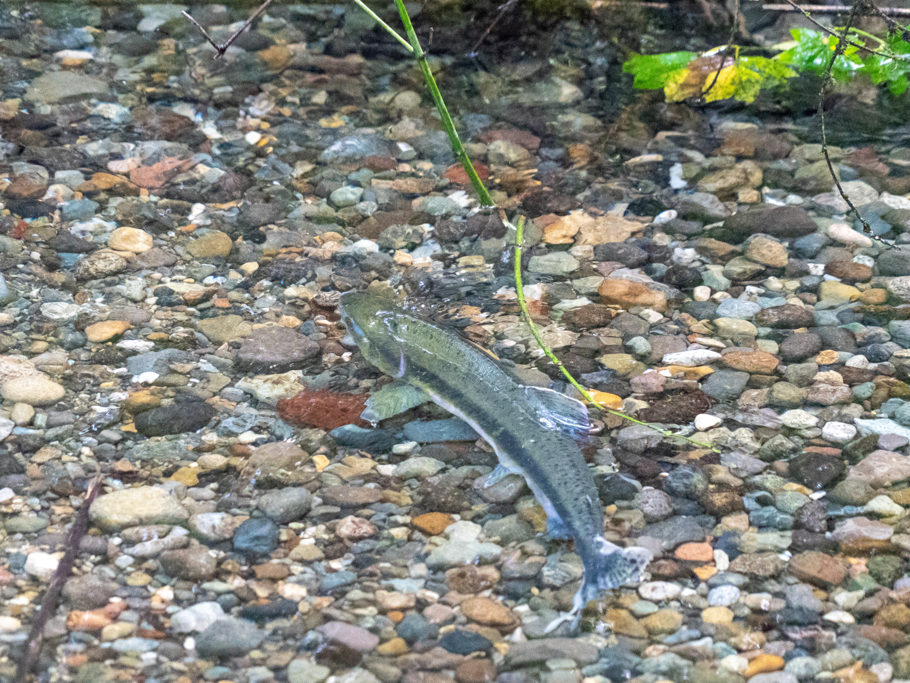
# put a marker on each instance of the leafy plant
(727, 73)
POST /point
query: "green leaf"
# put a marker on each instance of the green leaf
(652, 71)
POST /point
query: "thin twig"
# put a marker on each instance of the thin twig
(55, 586)
(834, 9)
(842, 37)
(893, 26)
(723, 54)
(526, 315)
(222, 48)
(827, 80)
(503, 8)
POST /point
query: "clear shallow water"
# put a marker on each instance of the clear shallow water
(207, 215)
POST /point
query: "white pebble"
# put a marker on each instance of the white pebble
(798, 419)
(839, 616)
(843, 233)
(657, 591)
(41, 565)
(705, 421)
(884, 506)
(404, 448)
(723, 596)
(691, 358)
(701, 293)
(9, 624)
(838, 432)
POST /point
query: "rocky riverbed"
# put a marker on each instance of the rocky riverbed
(174, 235)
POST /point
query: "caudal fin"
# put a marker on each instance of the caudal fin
(616, 566)
(611, 567)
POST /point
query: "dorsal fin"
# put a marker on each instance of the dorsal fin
(558, 411)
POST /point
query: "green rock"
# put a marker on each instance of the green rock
(624, 364)
(224, 328)
(786, 395)
(885, 569)
(713, 277)
(734, 327)
(304, 670)
(400, 236)
(900, 660)
(66, 86)
(859, 448)
(777, 447)
(741, 268)
(852, 492)
(554, 263)
(25, 524)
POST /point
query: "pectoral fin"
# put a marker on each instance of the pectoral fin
(393, 399)
(558, 411)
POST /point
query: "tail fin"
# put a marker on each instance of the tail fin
(610, 568)
(617, 566)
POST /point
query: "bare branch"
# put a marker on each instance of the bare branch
(826, 83)
(222, 48)
(835, 9)
(55, 586)
(842, 37)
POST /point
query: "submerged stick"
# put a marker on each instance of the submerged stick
(61, 574)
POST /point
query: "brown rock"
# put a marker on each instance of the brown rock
(753, 362)
(760, 564)
(889, 638)
(472, 578)
(104, 331)
(621, 622)
(26, 186)
(588, 316)
(663, 621)
(324, 409)
(628, 294)
(353, 528)
(893, 616)
(720, 503)
(489, 613)
(475, 671)
(433, 523)
(695, 552)
(848, 271)
(349, 496)
(817, 568)
(861, 535)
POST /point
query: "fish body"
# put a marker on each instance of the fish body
(526, 427)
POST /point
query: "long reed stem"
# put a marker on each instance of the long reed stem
(447, 123)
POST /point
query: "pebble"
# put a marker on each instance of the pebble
(286, 505)
(256, 536)
(228, 637)
(136, 507)
(196, 617)
(33, 390)
(130, 239)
